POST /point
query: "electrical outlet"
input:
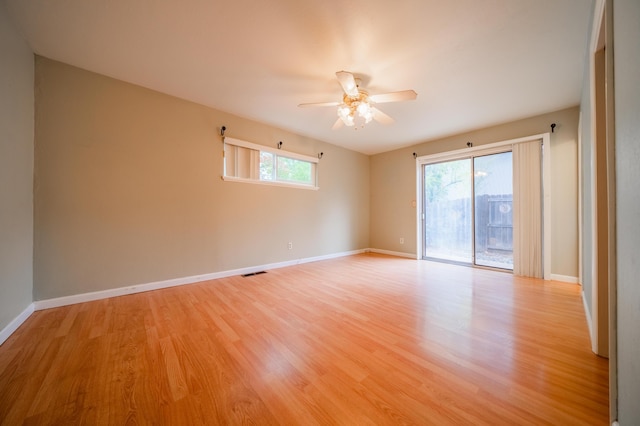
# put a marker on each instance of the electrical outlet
(401, 240)
(290, 245)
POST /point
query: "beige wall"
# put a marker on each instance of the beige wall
(16, 172)
(393, 185)
(128, 190)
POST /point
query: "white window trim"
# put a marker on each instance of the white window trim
(270, 183)
(490, 149)
(256, 147)
(278, 152)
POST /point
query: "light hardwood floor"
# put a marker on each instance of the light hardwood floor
(366, 339)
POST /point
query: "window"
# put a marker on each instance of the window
(468, 210)
(248, 162)
(509, 232)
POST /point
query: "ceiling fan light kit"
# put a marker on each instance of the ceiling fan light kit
(356, 108)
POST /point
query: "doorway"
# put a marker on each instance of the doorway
(468, 214)
(603, 199)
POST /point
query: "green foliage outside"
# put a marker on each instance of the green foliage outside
(288, 169)
(293, 170)
(448, 180)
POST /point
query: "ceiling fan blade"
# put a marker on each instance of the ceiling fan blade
(403, 95)
(338, 124)
(348, 83)
(319, 104)
(381, 117)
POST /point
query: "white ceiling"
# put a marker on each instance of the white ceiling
(473, 63)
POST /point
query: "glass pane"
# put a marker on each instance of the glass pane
(292, 170)
(447, 198)
(266, 166)
(493, 185)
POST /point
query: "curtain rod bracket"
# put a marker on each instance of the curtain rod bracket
(222, 129)
(280, 145)
(553, 127)
(320, 155)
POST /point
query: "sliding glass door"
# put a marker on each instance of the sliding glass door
(448, 213)
(468, 211)
(493, 208)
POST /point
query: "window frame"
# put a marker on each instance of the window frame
(489, 148)
(232, 142)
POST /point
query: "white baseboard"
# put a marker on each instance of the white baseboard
(326, 257)
(394, 253)
(587, 314)
(15, 323)
(565, 278)
(139, 288)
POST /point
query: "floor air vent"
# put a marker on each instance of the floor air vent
(254, 273)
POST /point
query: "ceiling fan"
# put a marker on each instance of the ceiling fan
(357, 106)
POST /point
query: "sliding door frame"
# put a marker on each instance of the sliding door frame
(493, 148)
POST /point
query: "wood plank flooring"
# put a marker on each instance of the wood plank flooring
(366, 339)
